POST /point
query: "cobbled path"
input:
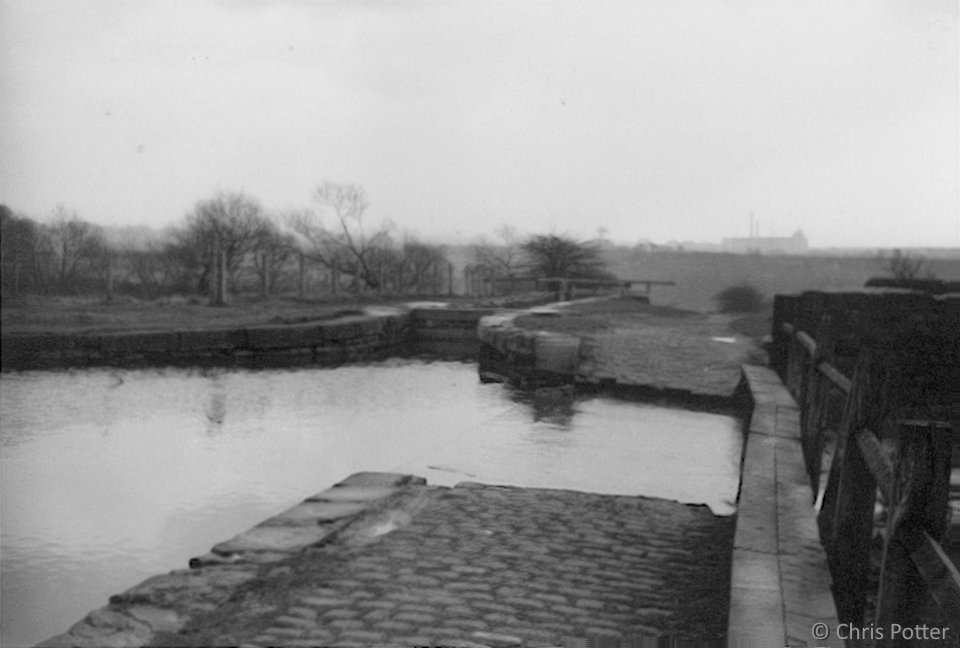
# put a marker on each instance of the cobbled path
(501, 566)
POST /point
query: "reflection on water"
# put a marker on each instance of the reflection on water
(108, 477)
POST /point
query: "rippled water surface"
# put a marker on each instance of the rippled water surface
(108, 477)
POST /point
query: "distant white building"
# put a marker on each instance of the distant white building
(767, 244)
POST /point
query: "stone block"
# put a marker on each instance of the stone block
(766, 387)
(498, 320)
(212, 339)
(369, 326)
(557, 353)
(520, 342)
(456, 349)
(381, 479)
(37, 344)
(754, 569)
(109, 628)
(167, 590)
(756, 374)
(756, 616)
(763, 420)
(354, 494)
(314, 512)
(339, 330)
(279, 358)
(395, 327)
(757, 505)
(447, 334)
(136, 343)
(284, 337)
(158, 619)
(274, 539)
(448, 316)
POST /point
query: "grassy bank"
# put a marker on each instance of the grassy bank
(96, 315)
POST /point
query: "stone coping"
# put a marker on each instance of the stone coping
(366, 504)
(780, 584)
(379, 330)
(543, 351)
(495, 566)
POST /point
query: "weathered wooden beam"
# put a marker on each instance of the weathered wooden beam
(880, 467)
(808, 342)
(835, 376)
(940, 425)
(919, 511)
(849, 509)
(940, 575)
(811, 431)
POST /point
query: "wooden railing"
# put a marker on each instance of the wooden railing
(566, 286)
(876, 378)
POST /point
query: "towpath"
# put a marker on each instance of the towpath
(495, 566)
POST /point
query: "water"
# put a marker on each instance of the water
(108, 477)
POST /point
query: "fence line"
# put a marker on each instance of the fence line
(886, 443)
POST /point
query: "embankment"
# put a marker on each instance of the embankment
(378, 332)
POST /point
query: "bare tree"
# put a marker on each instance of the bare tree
(153, 266)
(232, 223)
(903, 266)
(388, 265)
(421, 264)
(560, 256)
(22, 245)
(345, 243)
(505, 258)
(272, 250)
(75, 248)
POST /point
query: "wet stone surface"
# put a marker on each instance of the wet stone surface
(694, 358)
(491, 566)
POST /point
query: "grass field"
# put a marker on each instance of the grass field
(96, 315)
(699, 276)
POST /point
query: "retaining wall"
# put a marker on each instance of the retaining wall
(445, 332)
(382, 332)
(511, 353)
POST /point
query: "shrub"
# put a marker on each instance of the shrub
(742, 298)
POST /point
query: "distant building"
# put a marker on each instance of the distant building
(767, 244)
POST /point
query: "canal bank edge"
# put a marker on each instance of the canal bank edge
(362, 506)
(509, 353)
(780, 585)
(332, 341)
(380, 331)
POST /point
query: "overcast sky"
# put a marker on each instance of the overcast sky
(654, 119)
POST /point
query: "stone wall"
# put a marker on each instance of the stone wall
(383, 332)
(510, 353)
(445, 332)
(334, 341)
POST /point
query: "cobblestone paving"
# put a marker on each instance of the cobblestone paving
(497, 566)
